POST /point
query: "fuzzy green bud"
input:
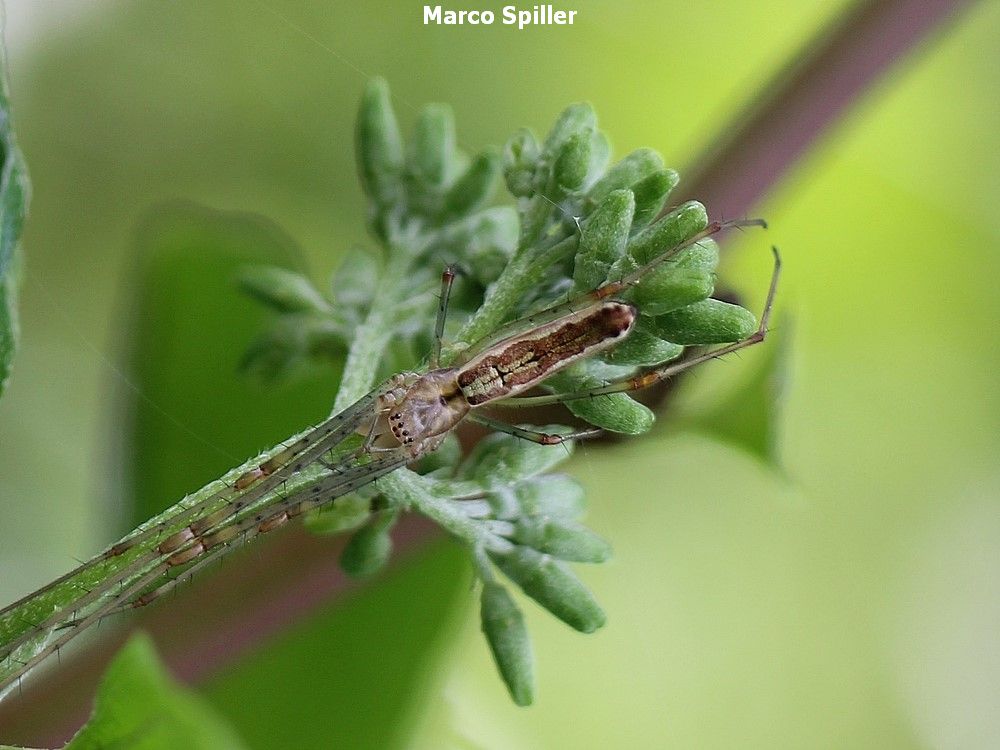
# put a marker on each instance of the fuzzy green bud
(553, 495)
(432, 148)
(571, 164)
(600, 155)
(633, 168)
(369, 549)
(505, 631)
(475, 187)
(346, 513)
(567, 541)
(643, 347)
(551, 584)
(685, 279)
(615, 412)
(576, 118)
(501, 459)
(520, 159)
(680, 225)
(709, 321)
(379, 145)
(651, 194)
(282, 290)
(603, 239)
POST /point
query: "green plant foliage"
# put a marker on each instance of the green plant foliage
(573, 225)
(14, 196)
(140, 707)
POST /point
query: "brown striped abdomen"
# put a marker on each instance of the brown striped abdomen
(521, 362)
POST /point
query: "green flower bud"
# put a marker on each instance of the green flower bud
(379, 146)
(571, 164)
(505, 631)
(346, 513)
(475, 187)
(643, 347)
(650, 194)
(709, 321)
(600, 155)
(501, 459)
(520, 159)
(554, 495)
(685, 279)
(576, 118)
(432, 148)
(603, 239)
(567, 541)
(633, 168)
(679, 225)
(282, 290)
(616, 412)
(551, 584)
(369, 549)
(356, 278)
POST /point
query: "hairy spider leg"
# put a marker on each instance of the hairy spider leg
(447, 279)
(535, 436)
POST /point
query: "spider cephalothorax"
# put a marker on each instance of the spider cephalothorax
(433, 405)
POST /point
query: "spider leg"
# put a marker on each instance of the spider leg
(535, 436)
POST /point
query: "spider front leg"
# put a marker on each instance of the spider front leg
(655, 375)
(447, 280)
(535, 436)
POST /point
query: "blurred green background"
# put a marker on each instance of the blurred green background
(850, 599)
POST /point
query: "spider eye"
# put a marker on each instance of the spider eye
(442, 400)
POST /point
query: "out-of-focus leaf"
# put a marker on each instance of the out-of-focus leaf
(355, 675)
(750, 417)
(139, 707)
(14, 194)
(191, 326)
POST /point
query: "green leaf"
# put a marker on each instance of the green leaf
(282, 290)
(190, 329)
(14, 198)
(503, 625)
(750, 417)
(139, 705)
(352, 675)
